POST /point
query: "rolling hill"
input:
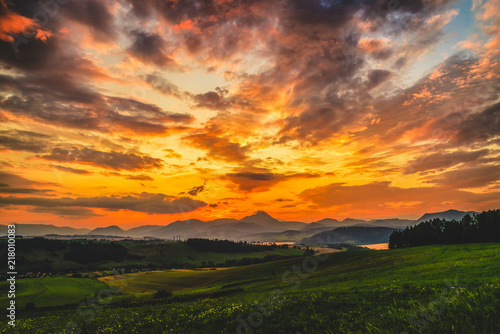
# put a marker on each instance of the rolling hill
(423, 289)
(110, 230)
(259, 226)
(357, 235)
(42, 229)
(448, 215)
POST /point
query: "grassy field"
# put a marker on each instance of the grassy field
(171, 253)
(53, 291)
(178, 281)
(432, 289)
(153, 254)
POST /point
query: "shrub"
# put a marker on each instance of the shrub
(162, 294)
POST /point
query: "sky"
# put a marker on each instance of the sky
(137, 112)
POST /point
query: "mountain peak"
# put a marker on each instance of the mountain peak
(109, 230)
(448, 215)
(260, 217)
(261, 213)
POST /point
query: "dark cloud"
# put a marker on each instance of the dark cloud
(142, 8)
(58, 100)
(316, 125)
(212, 100)
(15, 184)
(376, 77)
(110, 160)
(95, 15)
(164, 86)
(473, 177)
(263, 179)
(219, 148)
(72, 170)
(141, 177)
(71, 213)
(196, 190)
(173, 11)
(21, 190)
(52, 58)
(443, 160)
(150, 48)
(215, 100)
(481, 126)
(147, 203)
(17, 140)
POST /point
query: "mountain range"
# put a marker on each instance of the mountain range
(257, 227)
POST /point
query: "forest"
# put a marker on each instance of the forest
(483, 227)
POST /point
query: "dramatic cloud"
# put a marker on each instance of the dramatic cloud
(12, 24)
(345, 107)
(24, 141)
(72, 170)
(220, 148)
(151, 49)
(71, 213)
(147, 203)
(481, 126)
(59, 100)
(110, 160)
(196, 190)
(263, 180)
(15, 184)
(443, 160)
(378, 196)
(474, 177)
(164, 86)
(93, 14)
(212, 100)
(141, 177)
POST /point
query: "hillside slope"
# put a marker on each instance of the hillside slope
(435, 289)
(356, 235)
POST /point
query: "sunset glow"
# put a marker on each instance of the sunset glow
(137, 112)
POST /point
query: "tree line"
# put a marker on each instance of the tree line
(483, 227)
(226, 246)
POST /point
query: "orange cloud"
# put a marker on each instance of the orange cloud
(13, 23)
(378, 198)
(187, 25)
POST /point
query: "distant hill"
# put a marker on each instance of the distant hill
(392, 222)
(285, 236)
(232, 231)
(271, 224)
(357, 235)
(258, 226)
(36, 230)
(352, 222)
(142, 231)
(184, 228)
(323, 223)
(110, 230)
(448, 215)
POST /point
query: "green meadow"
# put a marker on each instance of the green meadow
(431, 289)
(139, 254)
(51, 291)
